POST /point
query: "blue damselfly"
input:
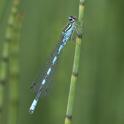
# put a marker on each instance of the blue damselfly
(65, 36)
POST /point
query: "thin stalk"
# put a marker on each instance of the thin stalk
(13, 64)
(14, 73)
(71, 97)
(5, 60)
(3, 74)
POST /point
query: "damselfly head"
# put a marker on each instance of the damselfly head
(72, 19)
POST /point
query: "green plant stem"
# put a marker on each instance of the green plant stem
(4, 61)
(3, 76)
(13, 63)
(68, 118)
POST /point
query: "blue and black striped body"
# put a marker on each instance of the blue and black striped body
(66, 35)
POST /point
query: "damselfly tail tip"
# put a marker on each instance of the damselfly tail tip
(31, 111)
(33, 106)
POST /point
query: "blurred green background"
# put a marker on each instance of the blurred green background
(100, 86)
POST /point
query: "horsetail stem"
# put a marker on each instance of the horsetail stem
(68, 118)
(9, 65)
(4, 61)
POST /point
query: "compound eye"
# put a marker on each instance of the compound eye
(71, 18)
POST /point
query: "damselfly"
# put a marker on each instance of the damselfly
(66, 35)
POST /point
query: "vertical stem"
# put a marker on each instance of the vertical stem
(13, 64)
(5, 60)
(3, 73)
(68, 118)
